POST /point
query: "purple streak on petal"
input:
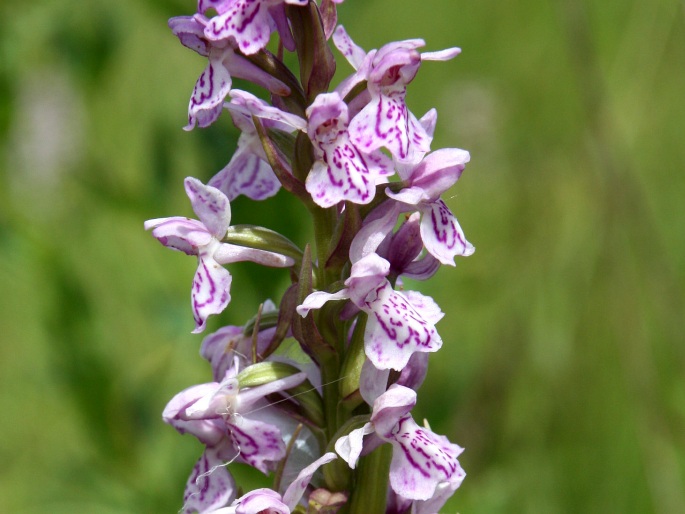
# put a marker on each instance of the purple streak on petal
(210, 486)
(260, 444)
(246, 174)
(210, 205)
(386, 122)
(343, 42)
(425, 460)
(341, 171)
(247, 22)
(425, 306)
(442, 234)
(395, 330)
(209, 92)
(210, 291)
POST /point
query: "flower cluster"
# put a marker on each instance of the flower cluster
(319, 389)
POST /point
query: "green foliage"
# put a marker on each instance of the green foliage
(561, 371)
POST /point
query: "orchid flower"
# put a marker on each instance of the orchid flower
(215, 81)
(440, 230)
(221, 416)
(397, 325)
(210, 293)
(386, 121)
(249, 172)
(424, 464)
(341, 172)
(248, 23)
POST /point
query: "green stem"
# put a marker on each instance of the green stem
(368, 496)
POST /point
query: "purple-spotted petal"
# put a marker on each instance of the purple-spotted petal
(343, 42)
(328, 118)
(210, 205)
(259, 444)
(209, 92)
(247, 22)
(422, 461)
(386, 122)
(295, 490)
(246, 174)
(341, 171)
(210, 486)
(346, 177)
(177, 233)
(395, 330)
(442, 235)
(210, 293)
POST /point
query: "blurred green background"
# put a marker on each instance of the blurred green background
(562, 371)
